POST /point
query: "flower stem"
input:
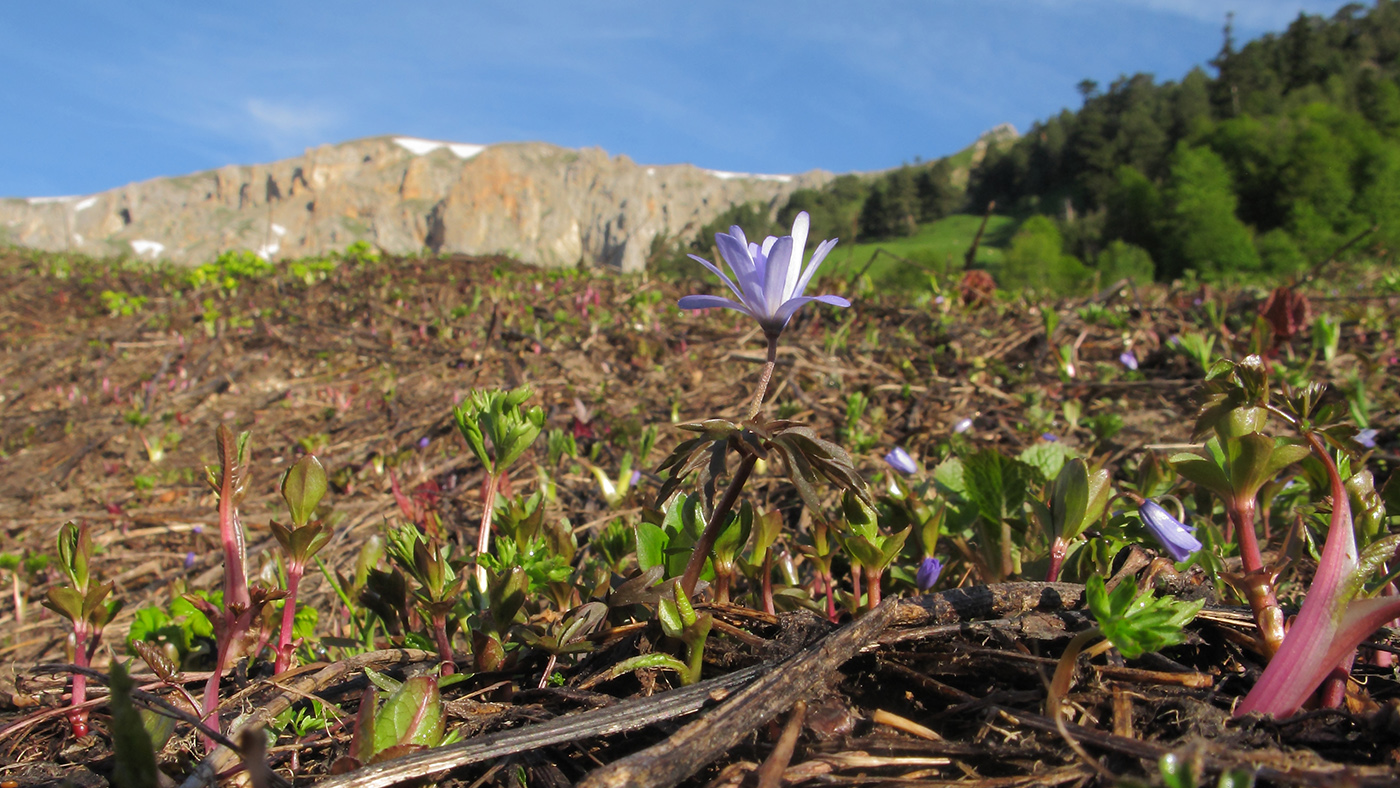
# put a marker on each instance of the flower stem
(764, 378)
(706, 543)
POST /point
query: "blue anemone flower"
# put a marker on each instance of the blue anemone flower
(928, 573)
(769, 279)
(900, 460)
(1174, 537)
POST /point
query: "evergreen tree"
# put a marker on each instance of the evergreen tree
(937, 195)
(1133, 210)
(1199, 223)
(892, 209)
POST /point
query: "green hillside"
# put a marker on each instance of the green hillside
(1290, 152)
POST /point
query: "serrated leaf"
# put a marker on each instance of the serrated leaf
(950, 476)
(1047, 458)
(996, 484)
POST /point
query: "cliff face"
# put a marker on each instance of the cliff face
(542, 204)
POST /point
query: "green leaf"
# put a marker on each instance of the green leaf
(1137, 623)
(734, 535)
(362, 744)
(1204, 472)
(66, 602)
(669, 614)
(412, 715)
(651, 546)
(767, 526)
(303, 486)
(134, 758)
(1176, 771)
(950, 475)
(997, 484)
(655, 659)
(1069, 498)
(386, 683)
(1047, 458)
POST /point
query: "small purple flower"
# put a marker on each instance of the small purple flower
(770, 278)
(900, 460)
(928, 573)
(636, 477)
(1367, 438)
(1129, 360)
(189, 560)
(1174, 537)
(1049, 437)
(962, 426)
(423, 442)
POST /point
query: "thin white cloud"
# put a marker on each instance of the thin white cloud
(290, 121)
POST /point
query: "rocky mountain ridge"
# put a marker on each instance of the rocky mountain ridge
(542, 204)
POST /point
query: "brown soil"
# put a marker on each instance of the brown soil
(363, 369)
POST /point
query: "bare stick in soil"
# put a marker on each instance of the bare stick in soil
(700, 742)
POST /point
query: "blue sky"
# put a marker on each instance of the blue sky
(101, 94)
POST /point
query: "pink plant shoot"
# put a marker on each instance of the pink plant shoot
(1334, 620)
(302, 488)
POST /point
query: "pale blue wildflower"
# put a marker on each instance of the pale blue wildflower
(769, 280)
(1174, 537)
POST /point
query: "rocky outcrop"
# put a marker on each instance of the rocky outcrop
(539, 203)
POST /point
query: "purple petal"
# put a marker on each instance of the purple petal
(1128, 360)
(1367, 438)
(710, 301)
(747, 272)
(785, 311)
(779, 258)
(715, 270)
(1174, 537)
(800, 227)
(818, 256)
(928, 573)
(900, 460)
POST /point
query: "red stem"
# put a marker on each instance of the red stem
(1258, 584)
(444, 645)
(483, 537)
(289, 609)
(872, 587)
(77, 718)
(1058, 549)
